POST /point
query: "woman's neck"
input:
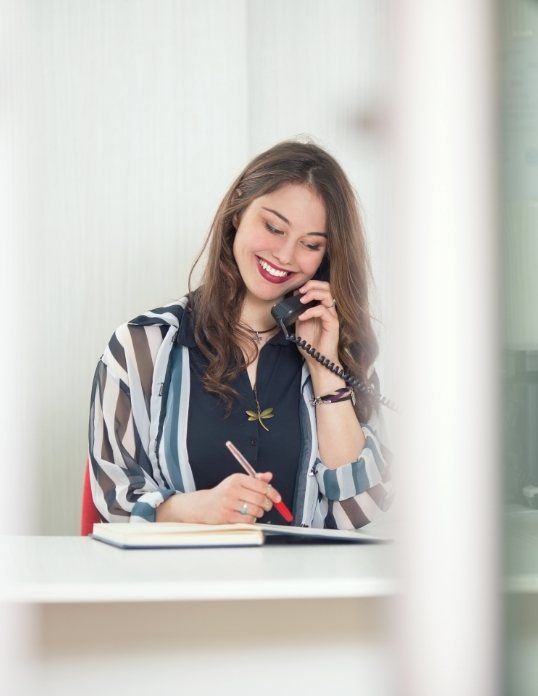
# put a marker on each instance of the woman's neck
(256, 314)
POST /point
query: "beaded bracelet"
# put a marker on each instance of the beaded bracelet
(343, 394)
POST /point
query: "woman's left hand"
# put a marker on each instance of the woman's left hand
(318, 325)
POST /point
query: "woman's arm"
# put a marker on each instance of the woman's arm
(358, 491)
(123, 485)
(353, 465)
(340, 436)
(176, 508)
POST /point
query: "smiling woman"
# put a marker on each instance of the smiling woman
(177, 382)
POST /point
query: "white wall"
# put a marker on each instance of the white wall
(129, 120)
(322, 69)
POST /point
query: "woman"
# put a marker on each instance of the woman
(174, 384)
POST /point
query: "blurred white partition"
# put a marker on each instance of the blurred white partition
(17, 450)
(446, 232)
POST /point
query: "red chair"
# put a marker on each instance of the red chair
(90, 514)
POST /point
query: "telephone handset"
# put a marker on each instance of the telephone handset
(285, 314)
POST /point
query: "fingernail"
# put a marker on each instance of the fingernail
(302, 289)
(279, 498)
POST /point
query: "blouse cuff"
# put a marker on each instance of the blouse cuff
(349, 480)
(145, 508)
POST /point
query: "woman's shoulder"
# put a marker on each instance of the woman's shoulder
(167, 315)
(137, 341)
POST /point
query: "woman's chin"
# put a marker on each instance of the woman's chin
(269, 295)
(261, 290)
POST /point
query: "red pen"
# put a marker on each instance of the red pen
(247, 466)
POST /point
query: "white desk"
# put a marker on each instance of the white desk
(77, 569)
(292, 619)
(225, 621)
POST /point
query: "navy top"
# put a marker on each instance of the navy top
(277, 449)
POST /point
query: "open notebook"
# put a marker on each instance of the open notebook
(158, 535)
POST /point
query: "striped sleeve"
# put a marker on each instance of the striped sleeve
(125, 487)
(358, 492)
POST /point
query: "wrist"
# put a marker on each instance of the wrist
(165, 512)
(335, 397)
(181, 507)
(324, 381)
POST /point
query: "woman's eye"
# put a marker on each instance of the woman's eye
(272, 229)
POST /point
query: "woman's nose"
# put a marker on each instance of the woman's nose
(284, 253)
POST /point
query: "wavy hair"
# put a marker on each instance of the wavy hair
(216, 303)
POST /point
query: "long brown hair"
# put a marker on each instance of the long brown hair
(217, 302)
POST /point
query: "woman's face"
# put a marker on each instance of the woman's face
(280, 241)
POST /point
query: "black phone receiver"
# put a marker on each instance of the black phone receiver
(287, 311)
(324, 270)
(285, 314)
(291, 307)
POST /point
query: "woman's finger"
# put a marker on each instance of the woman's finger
(315, 284)
(265, 476)
(259, 486)
(319, 312)
(323, 296)
(255, 498)
(238, 517)
(251, 508)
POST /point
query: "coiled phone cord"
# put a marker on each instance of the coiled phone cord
(350, 380)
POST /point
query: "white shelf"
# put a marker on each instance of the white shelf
(521, 550)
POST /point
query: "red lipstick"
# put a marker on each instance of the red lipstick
(271, 278)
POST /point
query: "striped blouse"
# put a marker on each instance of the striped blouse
(134, 469)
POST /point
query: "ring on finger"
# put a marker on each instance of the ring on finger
(333, 304)
(243, 510)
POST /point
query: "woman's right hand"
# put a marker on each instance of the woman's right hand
(221, 504)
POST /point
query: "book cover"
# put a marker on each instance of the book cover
(186, 535)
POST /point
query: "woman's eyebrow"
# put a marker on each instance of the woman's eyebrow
(321, 234)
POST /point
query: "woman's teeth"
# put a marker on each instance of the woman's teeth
(271, 270)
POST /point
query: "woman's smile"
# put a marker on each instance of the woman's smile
(271, 273)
